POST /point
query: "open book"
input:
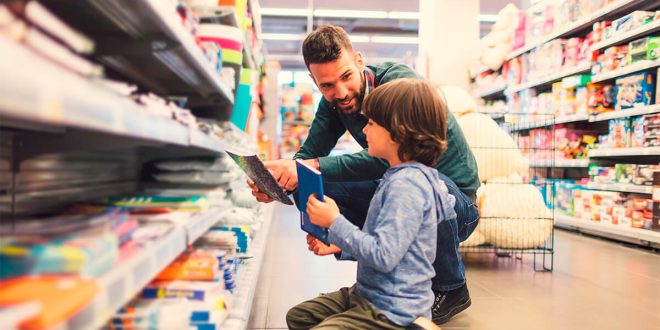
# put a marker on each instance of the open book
(257, 171)
(310, 182)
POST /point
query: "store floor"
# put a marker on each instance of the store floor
(596, 284)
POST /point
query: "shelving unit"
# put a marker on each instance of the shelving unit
(125, 280)
(571, 29)
(623, 38)
(576, 163)
(625, 152)
(637, 67)
(143, 41)
(626, 113)
(550, 122)
(68, 115)
(248, 274)
(72, 101)
(582, 68)
(496, 91)
(622, 187)
(619, 232)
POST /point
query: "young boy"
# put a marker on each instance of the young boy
(396, 247)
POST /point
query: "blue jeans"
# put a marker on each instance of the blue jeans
(353, 199)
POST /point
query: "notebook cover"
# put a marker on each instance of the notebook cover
(310, 181)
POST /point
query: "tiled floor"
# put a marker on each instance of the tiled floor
(596, 284)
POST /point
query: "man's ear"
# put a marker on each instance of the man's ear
(359, 60)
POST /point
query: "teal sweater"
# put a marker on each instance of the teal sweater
(329, 125)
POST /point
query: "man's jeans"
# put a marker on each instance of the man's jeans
(353, 199)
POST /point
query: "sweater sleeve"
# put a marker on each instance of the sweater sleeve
(397, 223)
(352, 167)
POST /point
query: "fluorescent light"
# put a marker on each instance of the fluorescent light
(403, 15)
(358, 38)
(350, 13)
(285, 57)
(340, 13)
(284, 12)
(394, 40)
(282, 36)
(487, 18)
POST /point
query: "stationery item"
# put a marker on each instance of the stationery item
(256, 170)
(310, 182)
(60, 297)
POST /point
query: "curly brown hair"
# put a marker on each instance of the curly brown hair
(415, 114)
(325, 44)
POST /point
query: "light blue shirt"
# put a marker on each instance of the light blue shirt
(396, 247)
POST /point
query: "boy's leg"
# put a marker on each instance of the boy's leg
(449, 286)
(360, 315)
(310, 313)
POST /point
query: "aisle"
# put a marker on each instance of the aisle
(596, 285)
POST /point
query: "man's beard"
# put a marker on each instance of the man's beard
(358, 98)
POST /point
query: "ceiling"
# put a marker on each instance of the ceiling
(295, 27)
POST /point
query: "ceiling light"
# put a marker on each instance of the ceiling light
(403, 15)
(282, 36)
(284, 12)
(394, 40)
(350, 13)
(358, 38)
(487, 18)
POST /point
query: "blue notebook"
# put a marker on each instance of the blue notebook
(310, 182)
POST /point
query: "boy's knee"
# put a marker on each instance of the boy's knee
(297, 318)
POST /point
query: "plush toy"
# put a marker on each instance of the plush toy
(457, 99)
(513, 215)
(495, 151)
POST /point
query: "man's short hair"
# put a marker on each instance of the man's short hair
(325, 44)
(414, 114)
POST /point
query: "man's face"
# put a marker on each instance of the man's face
(341, 81)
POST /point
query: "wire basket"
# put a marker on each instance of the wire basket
(517, 213)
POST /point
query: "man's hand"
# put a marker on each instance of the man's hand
(284, 171)
(322, 213)
(319, 248)
(260, 196)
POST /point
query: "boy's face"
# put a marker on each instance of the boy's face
(380, 141)
(341, 81)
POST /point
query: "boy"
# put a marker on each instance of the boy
(396, 247)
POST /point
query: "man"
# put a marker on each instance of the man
(344, 80)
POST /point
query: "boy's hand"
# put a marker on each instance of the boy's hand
(319, 248)
(322, 213)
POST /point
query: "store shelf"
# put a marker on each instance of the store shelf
(578, 163)
(622, 187)
(145, 41)
(639, 66)
(625, 152)
(582, 68)
(493, 92)
(478, 71)
(248, 274)
(550, 122)
(627, 113)
(613, 9)
(60, 98)
(640, 236)
(119, 285)
(623, 38)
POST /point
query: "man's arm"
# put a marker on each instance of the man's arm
(354, 167)
(399, 220)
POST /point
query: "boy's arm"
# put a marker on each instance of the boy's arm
(397, 224)
(353, 167)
